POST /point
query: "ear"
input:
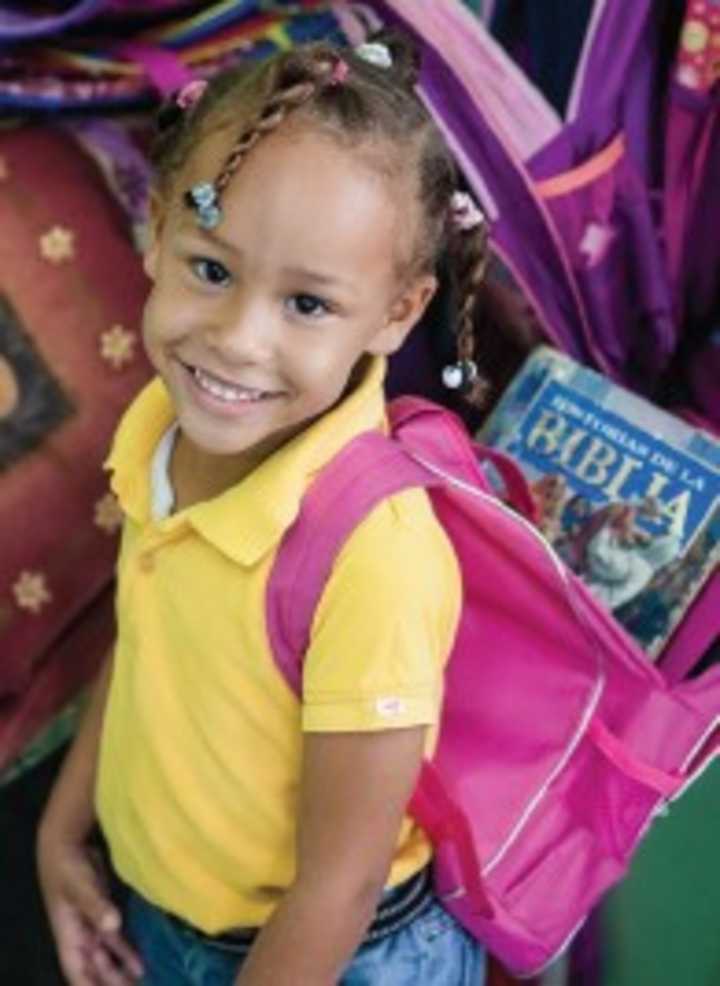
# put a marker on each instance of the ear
(156, 221)
(405, 312)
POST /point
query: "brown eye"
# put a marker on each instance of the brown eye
(210, 271)
(308, 305)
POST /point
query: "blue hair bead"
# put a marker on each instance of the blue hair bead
(203, 199)
(209, 216)
(203, 194)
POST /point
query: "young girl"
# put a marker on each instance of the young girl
(299, 213)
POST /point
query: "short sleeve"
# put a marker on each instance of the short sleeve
(385, 624)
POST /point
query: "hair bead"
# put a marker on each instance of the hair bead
(461, 375)
(375, 53)
(464, 212)
(203, 199)
(191, 93)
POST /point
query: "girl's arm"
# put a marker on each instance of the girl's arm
(354, 791)
(70, 812)
(84, 921)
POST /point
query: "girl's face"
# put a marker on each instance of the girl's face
(256, 325)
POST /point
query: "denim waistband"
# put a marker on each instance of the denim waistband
(397, 908)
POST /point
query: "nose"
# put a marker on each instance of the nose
(241, 329)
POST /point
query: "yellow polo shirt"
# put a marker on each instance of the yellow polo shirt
(200, 753)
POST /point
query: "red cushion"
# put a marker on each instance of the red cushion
(71, 293)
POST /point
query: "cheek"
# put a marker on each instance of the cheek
(151, 323)
(164, 318)
(324, 360)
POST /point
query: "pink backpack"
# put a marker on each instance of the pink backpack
(559, 742)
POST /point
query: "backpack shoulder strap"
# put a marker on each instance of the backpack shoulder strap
(428, 448)
(368, 470)
(439, 438)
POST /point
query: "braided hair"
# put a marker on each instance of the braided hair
(358, 103)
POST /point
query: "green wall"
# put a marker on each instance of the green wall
(663, 922)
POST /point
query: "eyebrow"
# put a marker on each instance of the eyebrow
(305, 273)
(327, 280)
(187, 229)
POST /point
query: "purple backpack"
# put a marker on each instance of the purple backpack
(559, 741)
(570, 201)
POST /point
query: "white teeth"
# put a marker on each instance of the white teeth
(224, 391)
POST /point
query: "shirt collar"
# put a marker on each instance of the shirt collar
(249, 519)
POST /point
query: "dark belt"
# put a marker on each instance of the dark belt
(397, 908)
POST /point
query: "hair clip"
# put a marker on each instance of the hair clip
(460, 375)
(340, 72)
(203, 199)
(464, 213)
(191, 93)
(375, 53)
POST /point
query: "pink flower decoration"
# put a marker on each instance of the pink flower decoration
(464, 212)
(191, 93)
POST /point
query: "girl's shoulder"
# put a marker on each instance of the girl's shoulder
(401, 547)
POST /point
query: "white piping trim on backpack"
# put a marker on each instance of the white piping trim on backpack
(559, 766)
(597, 691)
(697, 774)
(466, 487)
(703, 739)
(496, 501)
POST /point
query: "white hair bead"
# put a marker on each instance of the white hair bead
(464, 212)
(452, 376)
(375, 53)
(459, 376)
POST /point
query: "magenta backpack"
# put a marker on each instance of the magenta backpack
(559, 741)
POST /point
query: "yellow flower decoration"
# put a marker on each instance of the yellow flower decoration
(31, 591)
(108, 515)
(57, 245)
(117, 346)
(695, 37)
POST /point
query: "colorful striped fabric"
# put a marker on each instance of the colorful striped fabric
(104, 71)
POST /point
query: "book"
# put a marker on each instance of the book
(628, 494)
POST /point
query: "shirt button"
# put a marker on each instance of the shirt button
(146, 562)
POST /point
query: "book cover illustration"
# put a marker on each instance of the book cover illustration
(629, 495)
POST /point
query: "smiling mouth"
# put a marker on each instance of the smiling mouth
(223, 390)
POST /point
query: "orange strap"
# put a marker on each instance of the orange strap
(585, 173)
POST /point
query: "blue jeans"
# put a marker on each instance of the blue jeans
(432, 950)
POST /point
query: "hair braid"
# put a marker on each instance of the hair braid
(288, 96)
(469, 254)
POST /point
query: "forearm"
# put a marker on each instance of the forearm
(311, 937)
(70, 813)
